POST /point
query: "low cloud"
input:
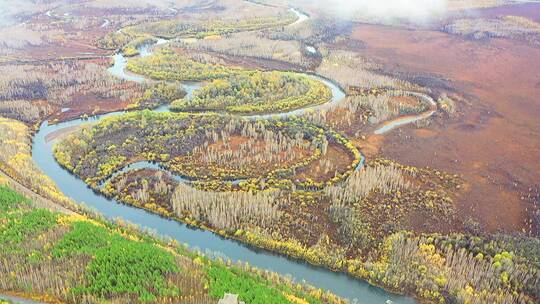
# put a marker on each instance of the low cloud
(386, 11)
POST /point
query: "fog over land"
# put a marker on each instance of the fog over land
(417, 11)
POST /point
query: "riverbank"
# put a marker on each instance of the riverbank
(291, 249)
(283, 196)
(73, 188)
(74, 265)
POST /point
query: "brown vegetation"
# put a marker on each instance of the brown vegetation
(357, 114)
(513, 27)
(252, 45)
(361, 183)
(353, 71)
(31, 92)
(228, 211)
(492, 141)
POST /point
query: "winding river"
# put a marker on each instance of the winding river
(339, 283)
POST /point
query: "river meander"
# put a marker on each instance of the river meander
(339, 283)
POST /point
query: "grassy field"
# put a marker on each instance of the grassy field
(73, 258)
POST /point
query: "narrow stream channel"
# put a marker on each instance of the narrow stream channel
(339, 283)
(405, 120)
(18, 300)
(301, 17)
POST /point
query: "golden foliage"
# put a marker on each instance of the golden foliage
(16, 161)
